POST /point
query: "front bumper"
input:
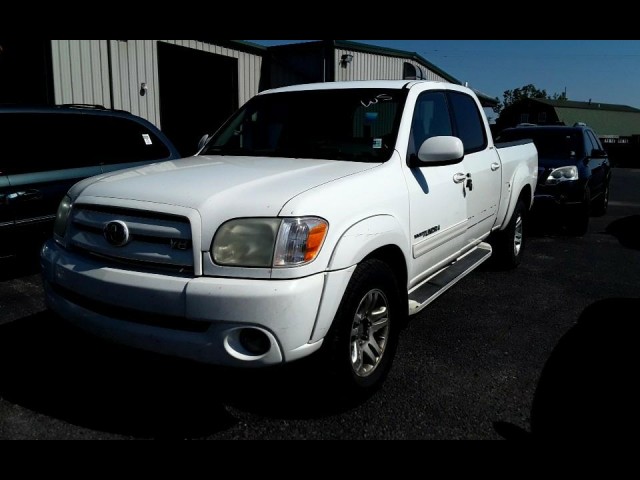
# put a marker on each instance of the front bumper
(565, 194)
(197, 318)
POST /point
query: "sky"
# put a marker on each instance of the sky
(606, 71)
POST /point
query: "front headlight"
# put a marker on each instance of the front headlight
(268, 242)
(64, 209)
(562, 174)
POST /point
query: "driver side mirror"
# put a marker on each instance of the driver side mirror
(441, 150)
(597, 153)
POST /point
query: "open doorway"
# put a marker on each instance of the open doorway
(25, 72)
(198, 92)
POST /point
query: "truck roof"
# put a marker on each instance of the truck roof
(393, 84)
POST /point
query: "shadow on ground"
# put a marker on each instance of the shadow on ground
(25, 260)
(587, 389)
(627, 231)
(53, 368)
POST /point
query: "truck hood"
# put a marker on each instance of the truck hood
(239, 186)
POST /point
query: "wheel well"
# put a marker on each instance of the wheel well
(525, 195)
(393, 256)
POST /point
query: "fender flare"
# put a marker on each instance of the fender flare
(519, 183)
(354, 245)
(366, 236)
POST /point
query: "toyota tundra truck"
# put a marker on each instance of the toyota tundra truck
(316, 220)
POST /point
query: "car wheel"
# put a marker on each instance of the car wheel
(601, 205)
(578, 221)
(508, 244)
(361, 343)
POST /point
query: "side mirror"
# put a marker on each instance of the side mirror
(203, 141)
(597, 153)
(438, 150)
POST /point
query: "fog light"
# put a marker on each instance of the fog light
(254, 341)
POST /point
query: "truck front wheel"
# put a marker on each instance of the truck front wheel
(362, 341)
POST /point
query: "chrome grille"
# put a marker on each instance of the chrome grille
(155, 239)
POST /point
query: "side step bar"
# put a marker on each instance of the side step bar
(426, 292)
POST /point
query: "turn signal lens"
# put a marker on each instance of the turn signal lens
(299, 241)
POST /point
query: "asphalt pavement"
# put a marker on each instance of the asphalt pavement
(467, 366)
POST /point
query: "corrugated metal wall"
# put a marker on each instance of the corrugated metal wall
(81, 73)
(368, 66)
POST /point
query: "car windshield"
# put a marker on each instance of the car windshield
(338, 124)
(560, 143)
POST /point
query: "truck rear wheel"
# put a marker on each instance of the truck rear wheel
(361, 343)
(508, 244)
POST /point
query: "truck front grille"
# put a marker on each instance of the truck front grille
(141, 239)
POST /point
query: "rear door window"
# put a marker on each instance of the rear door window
(594, 140)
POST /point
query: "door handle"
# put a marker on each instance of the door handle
(495, 166)
(24, 195)
(459, 177)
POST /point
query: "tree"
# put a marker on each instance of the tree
(527, 91)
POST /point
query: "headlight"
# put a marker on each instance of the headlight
(64, 209)
(268, 242)
(562, 174)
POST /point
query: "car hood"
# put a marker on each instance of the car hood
(256, 186)
(554, 162)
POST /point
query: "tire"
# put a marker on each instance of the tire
(508, 244)
(362, 341)
(600, 206)
(578, 220)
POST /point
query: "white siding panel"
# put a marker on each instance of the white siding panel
(78, 73)
(85, 70)
(56, 69)
(115, 74)
(134, 106)
(156, 85)
(95, 65)
(123, 64)
(148, 79)
(81, 73)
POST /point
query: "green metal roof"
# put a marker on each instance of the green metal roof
(587, 105)
(604, 118)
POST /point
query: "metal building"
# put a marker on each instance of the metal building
(188, 87)
(341, 60)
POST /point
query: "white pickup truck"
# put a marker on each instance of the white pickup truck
(315, 220)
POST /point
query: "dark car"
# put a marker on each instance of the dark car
(573, 171)
(45, 150)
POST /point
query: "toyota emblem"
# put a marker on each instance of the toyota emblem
(116, 233)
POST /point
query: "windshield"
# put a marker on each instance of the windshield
(349, 124)
(560, 143)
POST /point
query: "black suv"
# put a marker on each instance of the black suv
(573, 171)
(45, 150)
